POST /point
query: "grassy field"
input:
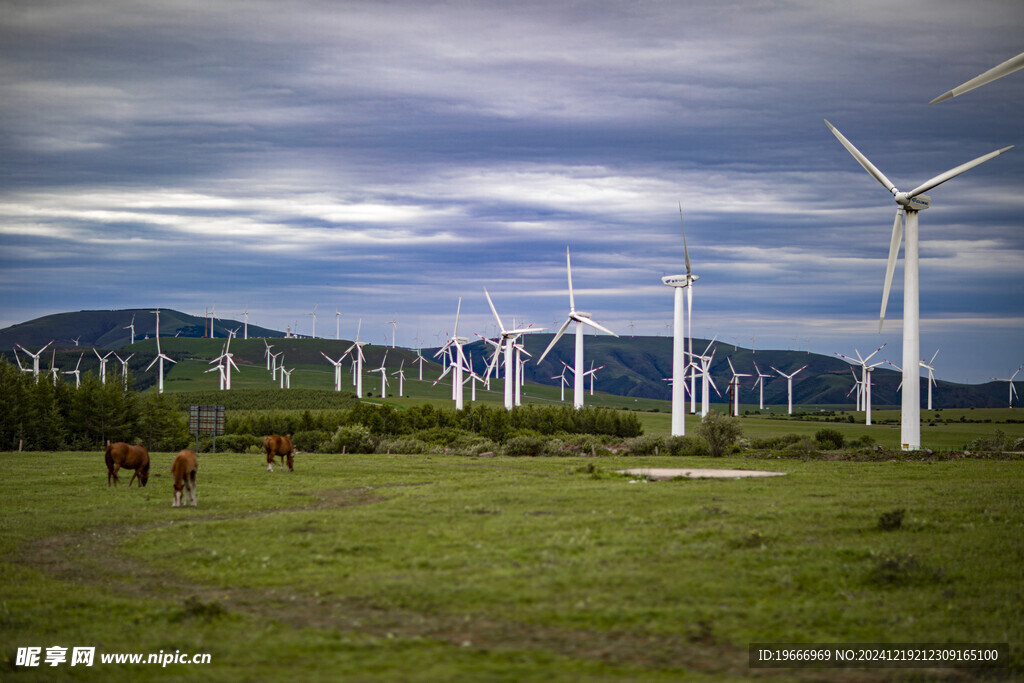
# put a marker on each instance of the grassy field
(439, 568)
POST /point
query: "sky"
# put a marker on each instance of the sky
(384, 159)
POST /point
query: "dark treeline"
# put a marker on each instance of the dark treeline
(51, 416)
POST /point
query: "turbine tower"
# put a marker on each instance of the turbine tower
(865, 382)
(124, 368)
(930, 367)
(789, 384)
(131, 327)
(394, 326)
(227, 361)
(1008, 67)
(400, 373)
(160, 357)
(313, 313)
(78, 376)
(35, 358)
(245, 325)
(383, 375)
(337, 369)
(357, 360)
(735, 383)
(760, 383)
(103, 365)
(910, 203)
(507, 345)
(706, 380)
(581, 319)
(458, 361)
(679, 327)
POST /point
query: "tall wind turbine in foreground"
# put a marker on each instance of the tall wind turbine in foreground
(581, 319)
(910, 203)
(1004, 69)
(679, 364)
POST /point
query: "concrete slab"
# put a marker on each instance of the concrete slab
(664, 474)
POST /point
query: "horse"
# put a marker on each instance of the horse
(119, 454)
(184, 470)
(279, 446)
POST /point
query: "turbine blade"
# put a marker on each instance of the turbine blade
(998, 71)
(894, 250)
(501, 325)
(862, 160)
(686, 252)
(568, 269)
(954, 172)
(597, 326)
(558, 335)
(458, 311)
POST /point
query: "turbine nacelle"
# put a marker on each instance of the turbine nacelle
(918, 203)
(680, 280)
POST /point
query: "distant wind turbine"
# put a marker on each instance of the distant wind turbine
(35, 358)
(132, 328)
(75, 372)
(124, 368)
(357, 360)
(865, 379)
(394, 326)
(1013, 389)
(313, 313)
(760, 383)
(735, 383)
(581, 319)
(383, 375)
(160, 357)
(910, 203)
(507, 344)
(789, 384)
(103, 365)
(930, 367)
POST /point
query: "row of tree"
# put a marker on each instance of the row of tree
(43, 415)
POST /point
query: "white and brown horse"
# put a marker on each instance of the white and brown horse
(184, 470)
(119, 454)
(279, 446)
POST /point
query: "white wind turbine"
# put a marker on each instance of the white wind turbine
(131, 327)
(581, 319)
(245, 324)
(930, 367)
(124, 368)
(420, 360)
(591, 373)
(735, 383)
(103, 365)
(18, 359)
(286, 377)
(160, 357)
(458, 361)
(1013, 389)
(313, 313)
(1008, 67)
(35, 358)
(400, 373)
(267, 353)
(75, 372)
(760, 383)
(706, 380)
(909, 203)
(562, 381)
(865, 382)
(54, 370)
(679, 364)
(383, 375)
(213, 317)
(859, 389)
(357, 360)
(520, 370)
(394, 326)
(789, 383)
(507, 344)
(337, 324)
(274, 364)
(337, 369)
(218, 368)
(227, 359)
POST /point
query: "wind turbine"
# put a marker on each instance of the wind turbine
(213, 317)
(679, 365)
(865, 382)
(131, 327)
(103, 365)
(735, 383)
(18, 359)
(789, 383)
(705, 372)
(592, 372)
(581, 319)
(54, 370)
(357, 360)
(266, 353)
(1008, 67)
(286, 377)
(160, 357)
(458, 361)
(219, 368)
(337, 324)
(76, 339)
(337, 369)
(394, 325)
(508, 339)
(760, 383)
(562, 380)
(78, 377)
(400, 373)
(274, 365)
(930, 367)
(35, 358)
(1013, 389)
(245, 325)
(313, 313)
(124, 368)
(910, 203)
(420, 360)
(383, 375)
(228, 360)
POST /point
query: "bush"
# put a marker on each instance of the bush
(525, 445)
(830, 439)
(309, 441)
(238, 443)
(720, 432)
(403, 444)
(685, 445)
(646, 445)
(352, 439)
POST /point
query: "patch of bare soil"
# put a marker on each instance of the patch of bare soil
(93, 558)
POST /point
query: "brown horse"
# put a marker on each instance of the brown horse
(184, 470)
(120, 454)
(279, 446)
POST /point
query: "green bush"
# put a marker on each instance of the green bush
(525, 445)
(685, 445)
(830, 439)
(405, 445)
(352, 439)
(308, 441)
(775, 442)
(646, 445)
(720, 432)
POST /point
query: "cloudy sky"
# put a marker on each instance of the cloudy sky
(385, 158)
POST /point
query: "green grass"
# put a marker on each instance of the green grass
(440, 568)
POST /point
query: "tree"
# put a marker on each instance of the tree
(720, 431)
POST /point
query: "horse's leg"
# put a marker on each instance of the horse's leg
(135, 474)
(192, 488)
(291, 463)
(114, 472)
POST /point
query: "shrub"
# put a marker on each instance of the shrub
(685, 445)
(524, 445)
(352, 439)
(646, 445)
(720, 432)
(830, 439)
(405, 445)
(890, 521)
(309, 441)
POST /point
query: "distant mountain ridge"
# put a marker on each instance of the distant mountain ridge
(634, 366)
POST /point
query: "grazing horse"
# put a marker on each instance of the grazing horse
(281, 446)
(184, 470)
(120, 454)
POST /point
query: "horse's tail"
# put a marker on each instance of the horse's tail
(109, 458)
